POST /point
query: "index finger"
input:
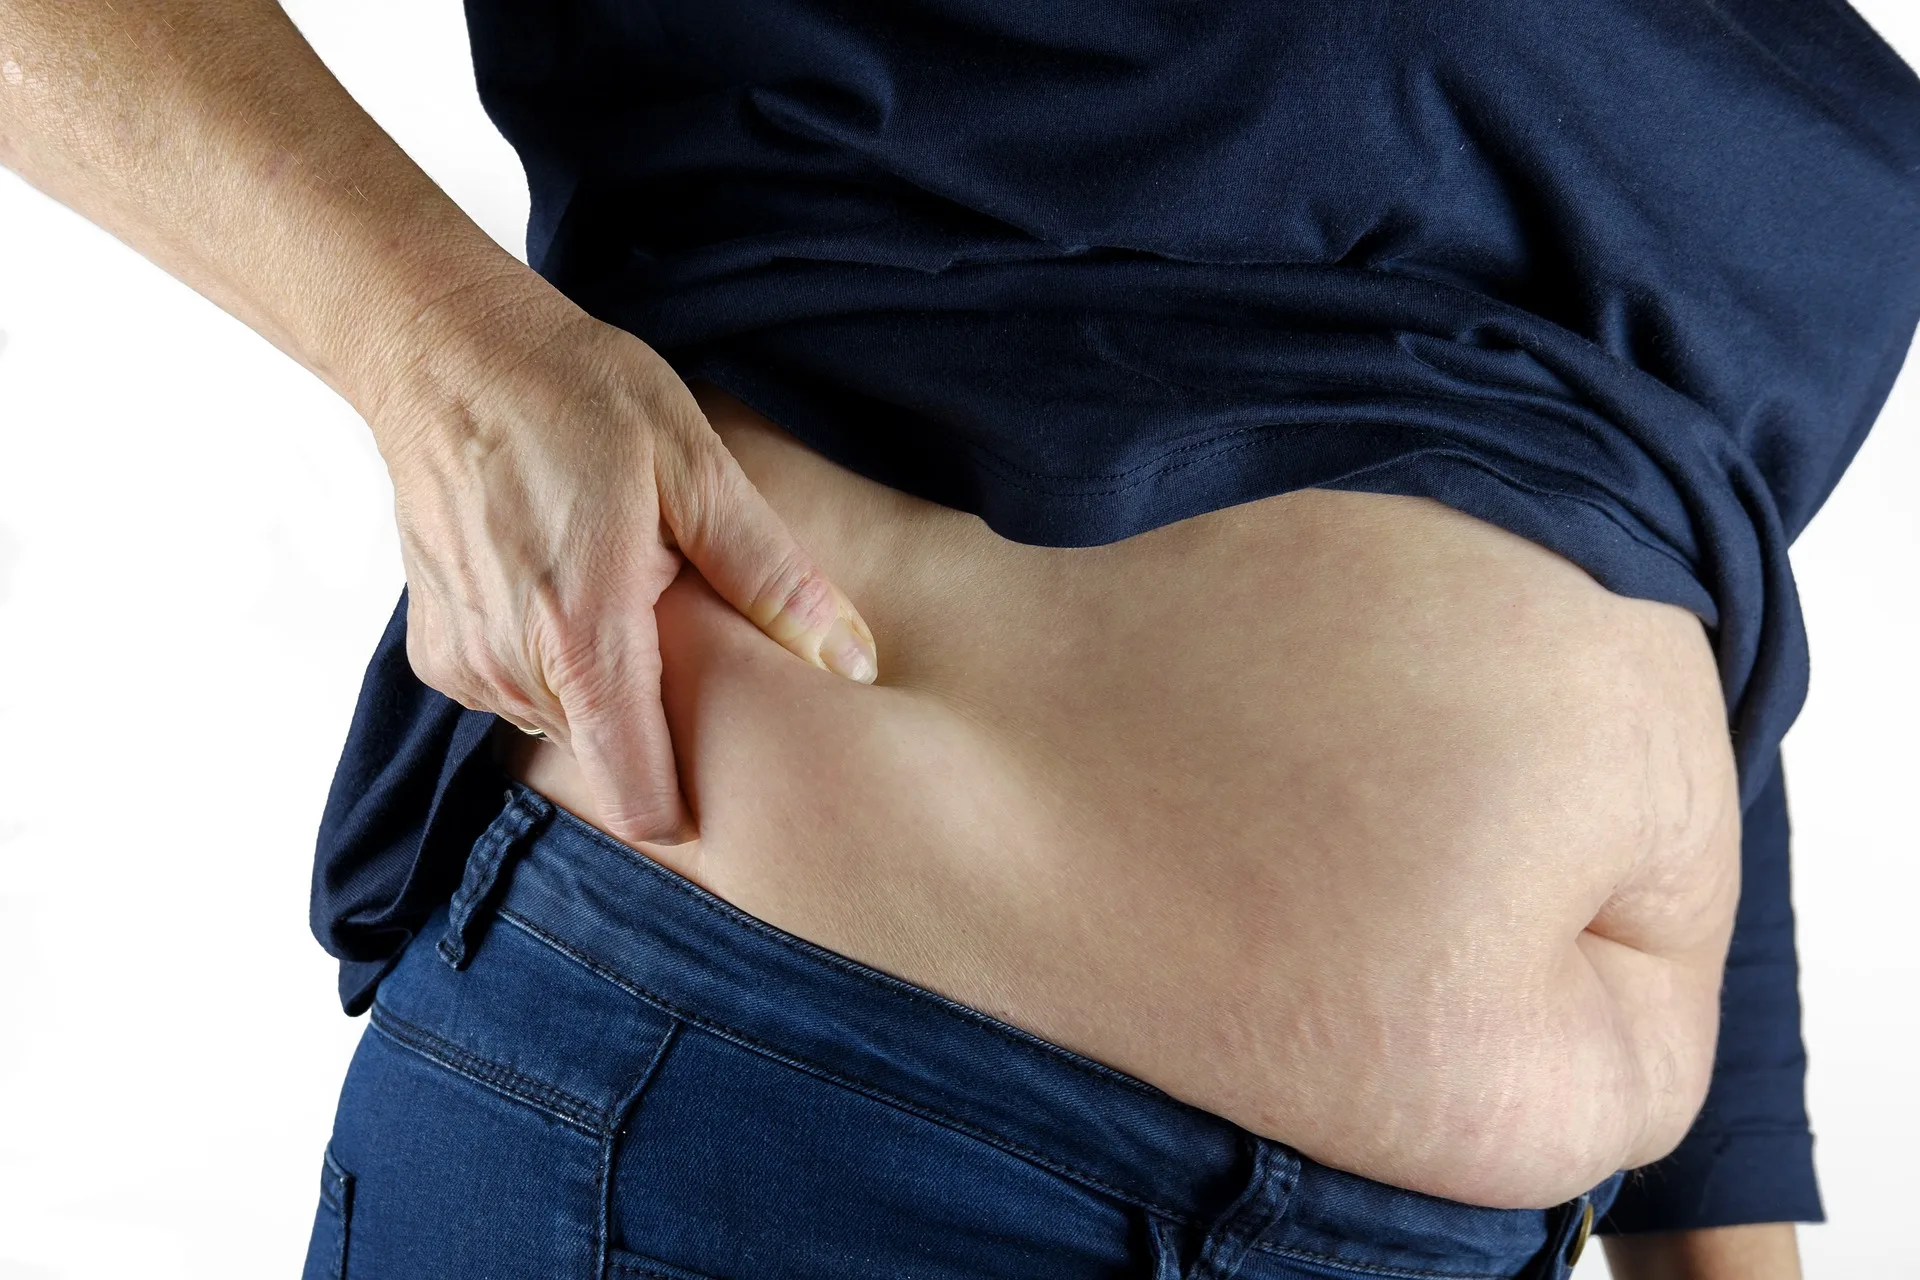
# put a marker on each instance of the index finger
(741, 546)
(616, 728)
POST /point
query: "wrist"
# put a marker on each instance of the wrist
(442, 350)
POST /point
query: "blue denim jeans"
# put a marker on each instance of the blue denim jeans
(591, 1067)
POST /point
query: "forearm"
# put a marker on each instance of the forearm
(1767, 1251)
(547, 490)
(208, 135)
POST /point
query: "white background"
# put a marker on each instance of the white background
(196, 555)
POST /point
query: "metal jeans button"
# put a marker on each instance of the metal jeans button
(1578, 1245)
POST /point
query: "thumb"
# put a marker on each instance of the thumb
(723, 524)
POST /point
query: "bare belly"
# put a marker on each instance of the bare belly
(1374, 828)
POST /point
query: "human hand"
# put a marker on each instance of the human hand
(549, 470)
(545, 502)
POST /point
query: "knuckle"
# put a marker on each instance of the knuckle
(488, 671)
(798, 592)
(696, 479)
(464, 668)
(588, 676)
(563, 651)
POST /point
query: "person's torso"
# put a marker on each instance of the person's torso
(1332, 814)
(1627, 280)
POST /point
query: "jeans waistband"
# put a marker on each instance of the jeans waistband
(668, 942)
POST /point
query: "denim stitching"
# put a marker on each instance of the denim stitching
(1166, 1248)
(544, 1097)
(490, 853)
(631, 1266)
(336, 1192)
(1049, 1163)
(741, 1038)
(886, 982)
(1239, 1229)
(609, 1147)
(1393, 1273)
(331, 1179)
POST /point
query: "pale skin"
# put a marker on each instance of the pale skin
(1373, 828)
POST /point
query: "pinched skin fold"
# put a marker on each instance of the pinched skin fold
(1372, 827)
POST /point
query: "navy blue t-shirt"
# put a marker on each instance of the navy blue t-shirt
(1629, 278)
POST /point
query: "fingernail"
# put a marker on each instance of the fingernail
(845, 653)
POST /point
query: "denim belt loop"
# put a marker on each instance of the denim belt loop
(525, 811)
(1276, 1171)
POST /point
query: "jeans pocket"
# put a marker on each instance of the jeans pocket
(332, 1224)
(740, 1163)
